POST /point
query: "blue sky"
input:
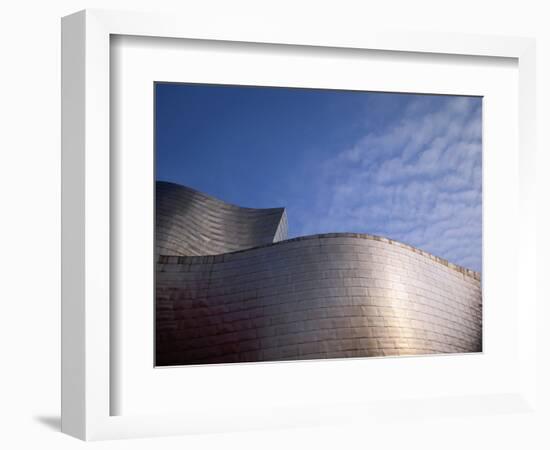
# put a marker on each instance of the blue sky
(404, 166)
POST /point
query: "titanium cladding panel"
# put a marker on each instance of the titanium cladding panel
(189, 222)
(324, 296)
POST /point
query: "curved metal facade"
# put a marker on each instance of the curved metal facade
(189, 222)
(323, 296)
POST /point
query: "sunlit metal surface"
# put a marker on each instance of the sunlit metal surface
(189, 222)
(323, 296)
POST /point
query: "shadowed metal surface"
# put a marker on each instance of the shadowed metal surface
(189, 222)
(324, 296)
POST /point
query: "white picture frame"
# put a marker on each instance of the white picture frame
(87, 356)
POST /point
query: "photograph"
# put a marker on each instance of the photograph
(294, 223)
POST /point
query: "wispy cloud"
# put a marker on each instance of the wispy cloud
(417, 180)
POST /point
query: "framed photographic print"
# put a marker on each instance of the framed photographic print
(270, 228)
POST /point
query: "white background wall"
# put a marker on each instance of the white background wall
(29, 227)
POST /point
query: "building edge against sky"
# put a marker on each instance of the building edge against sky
(403, 166)
(237, 291)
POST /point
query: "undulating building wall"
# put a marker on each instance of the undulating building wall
(189, 222)
(324, 296)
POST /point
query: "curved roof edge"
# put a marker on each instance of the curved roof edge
(468, 272)
(189, 222)
(216, 199)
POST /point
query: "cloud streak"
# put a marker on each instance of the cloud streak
(417, 180)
